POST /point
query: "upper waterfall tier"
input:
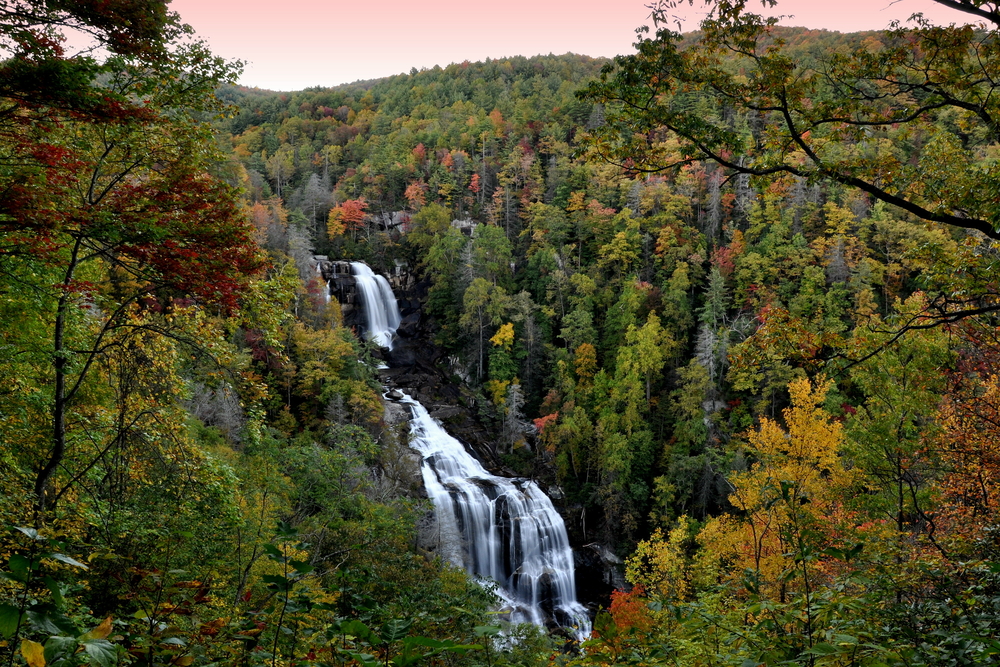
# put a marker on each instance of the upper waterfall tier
(380, 309)
(498, 528)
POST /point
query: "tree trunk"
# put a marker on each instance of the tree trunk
(59, 363)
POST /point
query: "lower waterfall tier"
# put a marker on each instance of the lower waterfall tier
(499, 529)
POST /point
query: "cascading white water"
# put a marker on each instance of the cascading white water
(499, 528)
(326, 293)
(381, 312)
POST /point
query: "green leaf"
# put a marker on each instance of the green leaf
(823, 649)
(69, 561)
(363, 658)
(301, 567)
(19, 566)
(101, 651)
(395, 630)
(462, 649)
(854, 551)
(277, 581)
(57, 592)
(834, 553)
(356, 629)
(286, 530)
(47, 619)
(604, 626)
(57, 648)
(487, 630)
(408, 656)
(9, 617)
(440, 646)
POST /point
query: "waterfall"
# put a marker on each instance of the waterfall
(381, 312)
(319, 272)
(499, 529)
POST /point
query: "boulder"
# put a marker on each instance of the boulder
(409, 325)
(446, 412)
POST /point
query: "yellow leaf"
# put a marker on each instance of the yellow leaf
(33, 652)
(184, 661)
(101, 631)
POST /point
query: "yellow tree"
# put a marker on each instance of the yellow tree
(775, 554)
(788, 501)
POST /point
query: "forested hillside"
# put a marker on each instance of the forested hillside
(732, 297)
(193, 462)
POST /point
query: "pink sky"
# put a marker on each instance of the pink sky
(294, 44)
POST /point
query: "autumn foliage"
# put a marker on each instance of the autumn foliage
(347, 217)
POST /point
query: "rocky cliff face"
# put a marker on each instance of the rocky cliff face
(343, 288)
(411, 337)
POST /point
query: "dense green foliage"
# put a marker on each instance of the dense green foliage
(651, 319)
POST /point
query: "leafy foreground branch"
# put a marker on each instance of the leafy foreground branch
(908, 115)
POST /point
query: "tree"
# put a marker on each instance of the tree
(491, 254)
(892, 427)
(281, 166)
(484, 305)
(315, 198)
(904, 116)
(41, 78)
(427, 226)
(347, 217)
(648, 349)
(113, 188)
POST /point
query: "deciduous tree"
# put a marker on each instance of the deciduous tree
(871, 118)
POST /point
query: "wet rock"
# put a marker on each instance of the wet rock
(546, 594)
(405, 351)
(394, 394)
(408, 306)
(386, 375)
(446, 413)
(598, 574)
(396, 414)
(409, 325)
(428, 534)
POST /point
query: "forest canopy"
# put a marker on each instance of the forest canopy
(731, 298)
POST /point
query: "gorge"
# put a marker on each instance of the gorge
(500, 530)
